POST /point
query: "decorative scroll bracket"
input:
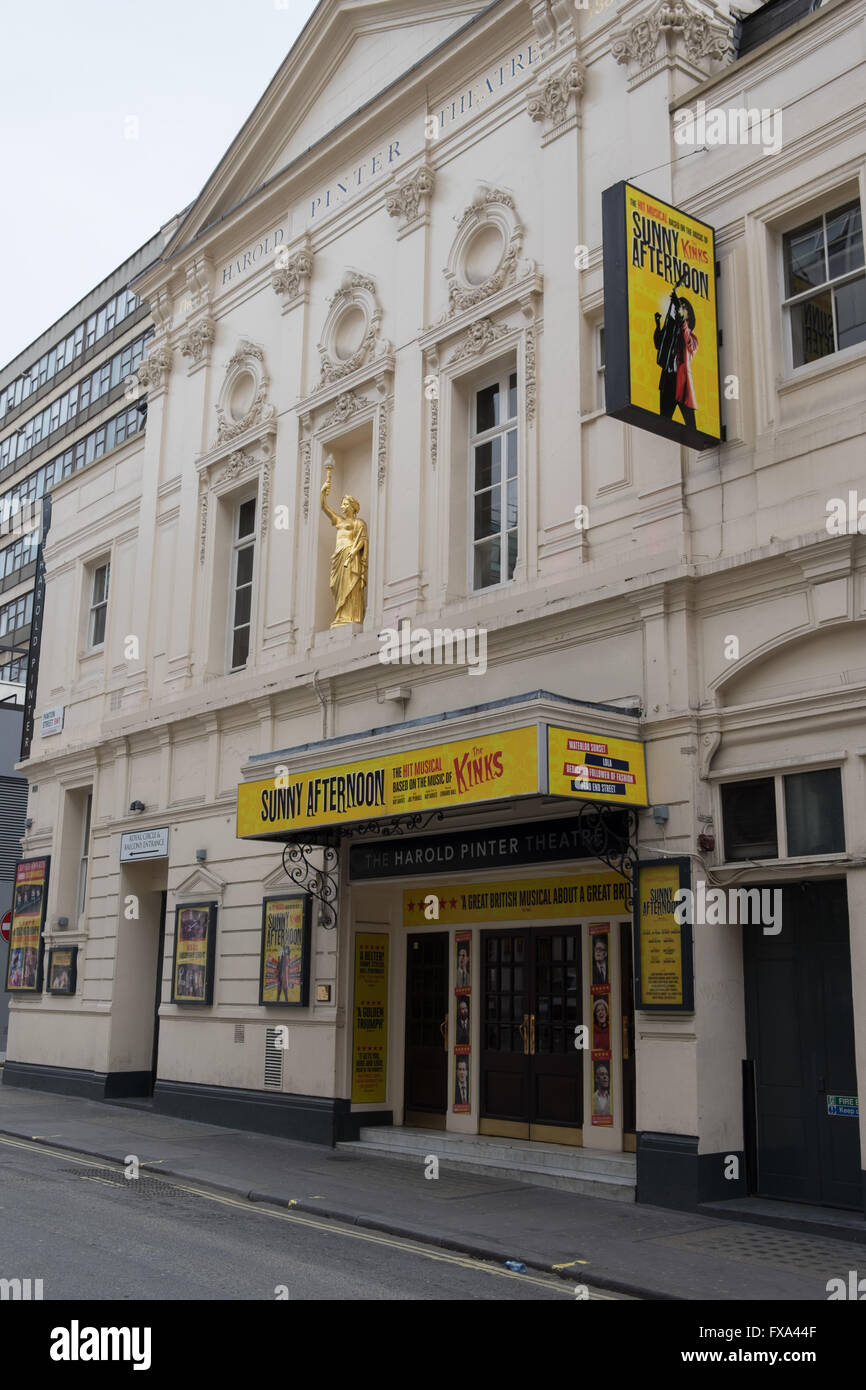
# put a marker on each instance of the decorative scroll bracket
(321, 883)
(602, 838)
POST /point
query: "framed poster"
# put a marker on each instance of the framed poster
(24, 967)
(462, 1102)
(663, 948)
(194, 950)
(62, 969)
(284, 974)
(661, 335)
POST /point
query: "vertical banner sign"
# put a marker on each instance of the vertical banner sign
(285, 964)
(463, 1027)
(24, 967)
(370, 1038)
(194, 947)
(661, 336)
(35, 635)
(602, 1096)
(664, 974)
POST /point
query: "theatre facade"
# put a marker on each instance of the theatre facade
(282, 873)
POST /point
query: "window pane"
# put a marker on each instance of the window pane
(240, 647)
(247, 518)
(512, 396)
(243, 605)
(512, 505)
(487, 408)
(488, 463)
(512, 553)
(98, 636)
(511, 448)
(804, 257)
(844, 240)
(813, 812)
(812, 329)
(749, 819)
(245, 565)
(851, 312)
(488, 517)
(487, 563)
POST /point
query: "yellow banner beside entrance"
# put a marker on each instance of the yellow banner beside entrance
(517, 900)
(370, 1035)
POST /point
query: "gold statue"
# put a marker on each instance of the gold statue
(350, 558)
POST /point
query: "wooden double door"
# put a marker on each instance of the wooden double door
(531, 1073)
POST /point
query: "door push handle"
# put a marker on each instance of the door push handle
(443, 1029)
(523, 1029)
(532, 1035)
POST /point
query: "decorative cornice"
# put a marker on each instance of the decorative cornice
(478, 339)
(702, 38)
(554, 93)
(195, 342)
(410, 199)
(484, 199)
(244, 350)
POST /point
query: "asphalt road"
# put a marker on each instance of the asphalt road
(90, 1233)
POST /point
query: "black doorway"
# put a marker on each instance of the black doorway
(800, 1042)
(426, 1081)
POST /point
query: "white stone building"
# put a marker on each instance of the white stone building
(383, 272)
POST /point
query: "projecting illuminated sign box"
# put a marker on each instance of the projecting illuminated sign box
(661, 337)
(539, 759)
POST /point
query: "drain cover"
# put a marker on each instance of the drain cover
(765, 1246)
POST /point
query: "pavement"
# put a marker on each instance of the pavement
(647, 1252)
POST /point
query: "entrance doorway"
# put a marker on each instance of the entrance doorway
(426, 1081)
(531, 1073)
(800, 1042)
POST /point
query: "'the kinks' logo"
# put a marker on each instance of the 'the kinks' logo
(477, 767)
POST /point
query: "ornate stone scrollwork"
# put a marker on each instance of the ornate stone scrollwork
(242, 400)
(154, 370)
(554, 94)
(411, 197)
(306, 464)
(486, 251)
(478, 338)
(346, 405)
(292, 271)
(197, 339)
(529, 374)
(350, 336)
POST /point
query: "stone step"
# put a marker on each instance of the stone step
(519, 1152)
(565, 1180)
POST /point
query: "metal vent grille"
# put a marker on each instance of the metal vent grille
(116, 700)
(273, 1059)
(239, 1032)
(13, 811)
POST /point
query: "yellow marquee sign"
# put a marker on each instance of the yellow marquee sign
(517, 900)
(531, 761)
(488, 768)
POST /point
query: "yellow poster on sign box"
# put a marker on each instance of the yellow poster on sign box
(670, 258)
(661, 953)
(491, 767)
(370, 1038)
(594, 767)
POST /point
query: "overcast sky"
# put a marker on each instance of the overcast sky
(112, 116)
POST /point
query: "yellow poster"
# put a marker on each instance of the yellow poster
(661, 945)
(285, 948)
(519, 900)
(673, 343)
(595, 767)
(491, 767)
(24, 968)
(370, 1037)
